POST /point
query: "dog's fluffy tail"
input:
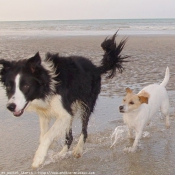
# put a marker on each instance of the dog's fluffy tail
(112, 58)
(166, 79)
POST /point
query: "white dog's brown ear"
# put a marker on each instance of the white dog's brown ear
(144, 96)
(143, 99)
(128, 90)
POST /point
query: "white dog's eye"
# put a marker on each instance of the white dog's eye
(131, 102)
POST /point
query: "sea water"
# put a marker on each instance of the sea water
(89, 27)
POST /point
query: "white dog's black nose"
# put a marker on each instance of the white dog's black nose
(11, 107)
(121, 108)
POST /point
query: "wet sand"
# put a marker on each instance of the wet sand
(150, 55)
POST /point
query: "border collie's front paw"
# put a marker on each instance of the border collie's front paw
(77, 151)
(37, 161)
(130, 149)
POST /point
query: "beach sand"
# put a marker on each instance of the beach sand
(150, 55)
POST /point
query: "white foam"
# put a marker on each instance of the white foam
(146, 134)
(53, 157)
(119, 135)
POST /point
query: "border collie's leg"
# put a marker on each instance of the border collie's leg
(69, 138)
(68, 141)
(44, 126)
(78, 150)
(59, 128)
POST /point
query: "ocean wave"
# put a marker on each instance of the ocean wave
(90, 26)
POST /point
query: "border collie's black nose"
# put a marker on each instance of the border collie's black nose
(120, 108)
(11, 107)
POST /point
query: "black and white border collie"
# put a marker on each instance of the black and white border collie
(59, 87)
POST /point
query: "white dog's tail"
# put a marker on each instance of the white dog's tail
(166, 79)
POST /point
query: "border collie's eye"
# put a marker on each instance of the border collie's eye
(8, 88)
(131, 102)
(25, 88)
(124, 100)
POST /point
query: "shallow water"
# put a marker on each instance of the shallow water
(19, 140)
(156, 154)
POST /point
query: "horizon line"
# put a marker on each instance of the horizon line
(83, 19)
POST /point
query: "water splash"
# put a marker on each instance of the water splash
(53, 157)
(118, 135)
(146, 134)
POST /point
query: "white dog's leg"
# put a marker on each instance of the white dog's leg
(135, 144)
(59, 128)
(136, 141)
(167, 121)
(130, 133)
(165, 111)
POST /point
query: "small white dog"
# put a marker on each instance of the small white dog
(139, 108)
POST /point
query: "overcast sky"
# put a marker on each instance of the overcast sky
(17, 10)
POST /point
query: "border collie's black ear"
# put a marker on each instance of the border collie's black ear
(34, 62)
(6, 64)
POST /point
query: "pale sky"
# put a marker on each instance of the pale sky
(22, 10)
